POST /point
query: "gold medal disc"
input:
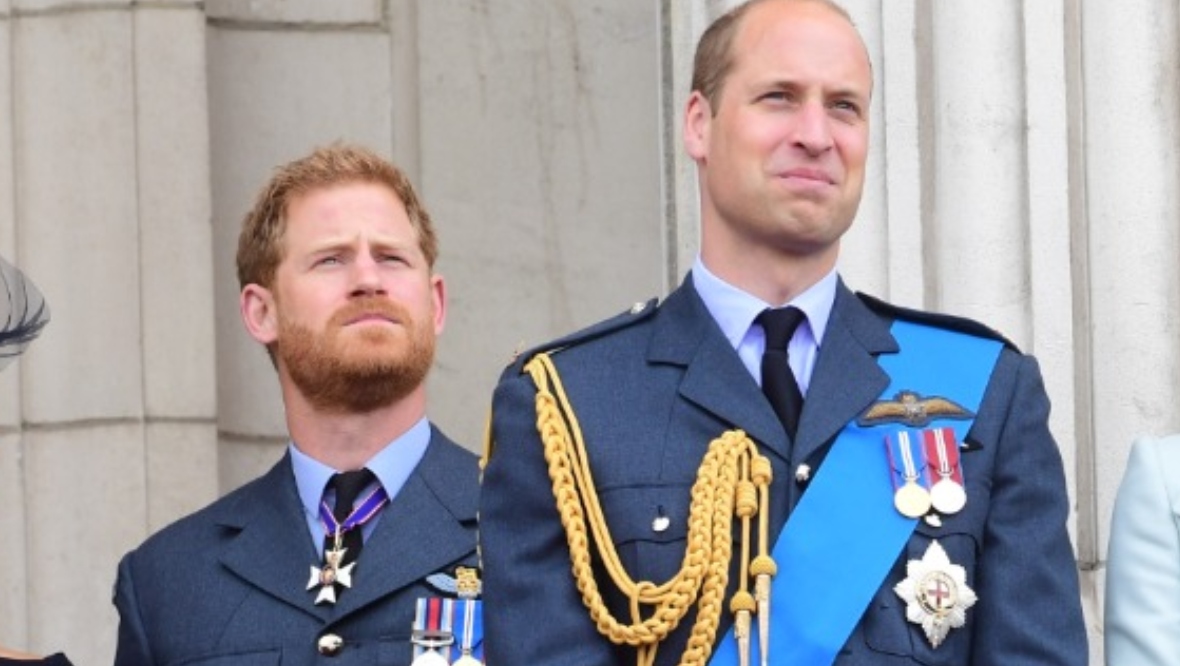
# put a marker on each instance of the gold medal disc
(912, 500)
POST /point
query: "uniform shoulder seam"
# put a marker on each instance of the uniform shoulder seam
(935, 319)
(639, 312)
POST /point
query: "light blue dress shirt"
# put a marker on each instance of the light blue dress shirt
(735, 310)
(392, 466)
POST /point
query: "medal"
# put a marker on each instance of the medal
(910, 497)
(449, 629)
(331, 573)
(947, 494)
(465, 657)
(432, 634)
(936, 594)
(911, 500)
(429, 658)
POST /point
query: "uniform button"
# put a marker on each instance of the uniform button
(329, 645)
(638, 307)
(660, 523)
(803, 474)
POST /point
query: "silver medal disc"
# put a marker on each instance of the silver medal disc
(948, 496)
(430, 658)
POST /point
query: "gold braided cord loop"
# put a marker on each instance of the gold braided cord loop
(731, 460)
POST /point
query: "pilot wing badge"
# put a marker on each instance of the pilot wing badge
(936, 594)
(913, 409)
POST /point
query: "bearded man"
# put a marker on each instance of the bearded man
(371, 513)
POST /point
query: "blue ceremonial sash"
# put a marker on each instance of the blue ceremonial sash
(845, 534)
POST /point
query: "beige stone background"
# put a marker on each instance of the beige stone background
(1024, 171)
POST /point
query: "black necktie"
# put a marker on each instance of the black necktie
(348, 486)
(778, 382)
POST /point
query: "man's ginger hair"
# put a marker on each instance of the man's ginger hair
(260, 245)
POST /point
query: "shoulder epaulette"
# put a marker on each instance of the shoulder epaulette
(936, 319)
(641, 311)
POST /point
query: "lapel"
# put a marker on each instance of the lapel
(272, 549)
(426, 529)
(715, 380)
(846, 378)
(421, 532)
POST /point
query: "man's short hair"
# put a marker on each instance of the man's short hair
(714, 56)
(260, 246)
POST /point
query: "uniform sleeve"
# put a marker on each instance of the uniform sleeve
(1143, 565)
(132, 647)
(533, 611)
(1029, 609)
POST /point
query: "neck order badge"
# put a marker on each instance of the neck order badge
(344, 522)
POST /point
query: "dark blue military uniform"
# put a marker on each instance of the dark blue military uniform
(653, 387)
(226, 585)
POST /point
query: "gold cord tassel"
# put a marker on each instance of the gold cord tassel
(722, 487)
(763, 567)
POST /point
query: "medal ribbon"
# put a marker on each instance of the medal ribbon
(359, 516)
(844, 536)
(905, 447)
(433, 625)
(468, 625)
(943, 454)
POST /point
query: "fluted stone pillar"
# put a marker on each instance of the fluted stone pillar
(540, 159)
(1132, 191)
(112, 435)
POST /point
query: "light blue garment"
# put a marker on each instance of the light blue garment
(1143, 561)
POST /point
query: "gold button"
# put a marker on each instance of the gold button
(329, 645)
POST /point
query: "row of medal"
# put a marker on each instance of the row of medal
(927, 475)
(447, 632)
(926, 472)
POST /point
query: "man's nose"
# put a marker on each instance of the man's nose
(812, 132)
(366, 276)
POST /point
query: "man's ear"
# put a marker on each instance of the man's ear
(697, 117)
(257, 306)
(438, 294)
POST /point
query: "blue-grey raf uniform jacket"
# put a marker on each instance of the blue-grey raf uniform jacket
(227, 585)
(652, 388)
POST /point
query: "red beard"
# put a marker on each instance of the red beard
(357, 369)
